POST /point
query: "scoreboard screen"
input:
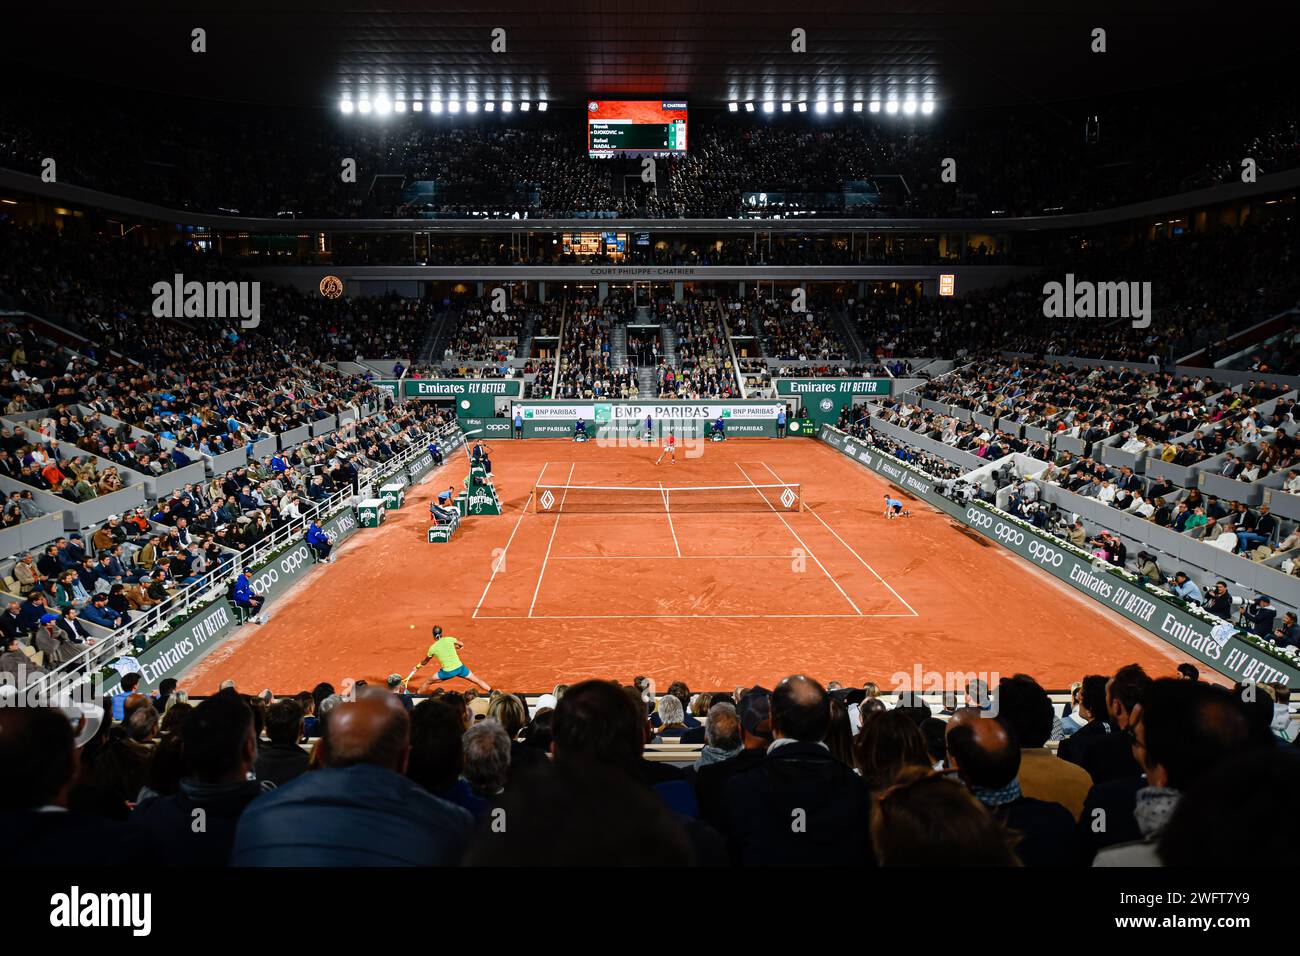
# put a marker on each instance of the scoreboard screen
(635, 128)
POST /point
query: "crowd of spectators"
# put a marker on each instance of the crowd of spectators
(856, 422)
(586, 369)
(368, 775)
(1204, 288)
(968, 436)
(704, 368)
(137, 560)
(797, 336)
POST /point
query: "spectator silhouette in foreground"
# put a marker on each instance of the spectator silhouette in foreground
(40, 762)
(800, 805)
(1025, 706)
(985, 752)
(596, 804)
(357, 809)
(1182, 732)
(219, 746)
(928, 819)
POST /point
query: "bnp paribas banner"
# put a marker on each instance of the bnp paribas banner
(1231, 655)
(474, 397)
(557, 418)
(824, 397)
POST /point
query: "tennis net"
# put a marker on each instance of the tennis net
(709, 499)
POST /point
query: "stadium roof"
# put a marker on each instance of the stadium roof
(311, 52)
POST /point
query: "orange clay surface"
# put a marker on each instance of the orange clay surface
(835, 590)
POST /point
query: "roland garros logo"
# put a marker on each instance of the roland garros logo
(331, 287)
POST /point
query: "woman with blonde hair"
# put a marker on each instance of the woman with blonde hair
(510, 712)
(700, 705)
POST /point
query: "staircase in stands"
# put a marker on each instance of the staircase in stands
(849, 334)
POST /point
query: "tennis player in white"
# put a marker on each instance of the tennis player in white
(670, 449)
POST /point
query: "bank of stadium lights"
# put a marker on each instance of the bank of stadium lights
(489, 107)
(910, 105)
(507, 106)
(471, 106)
(345, 105)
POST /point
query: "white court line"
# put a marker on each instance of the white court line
(801, 543)
(638, 617)
(670, 520)
(809, 509)
(671, 557)
(555, 527)
(501, 560)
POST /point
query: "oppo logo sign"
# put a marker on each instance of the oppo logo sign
(1044, 555)
(978, 518)
(287, 566)
(264, 580)
(1008, 535)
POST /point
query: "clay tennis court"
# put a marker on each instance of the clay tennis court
(719, 588)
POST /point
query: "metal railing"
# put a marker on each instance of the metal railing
(211, 585)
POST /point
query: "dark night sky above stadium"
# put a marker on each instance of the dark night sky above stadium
(966, 54)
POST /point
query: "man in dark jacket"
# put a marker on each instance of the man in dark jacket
(986, 755)
(358, 809)
(754, 711)
(281, 760)
(220, 746)
(1101, 747)
(800, 805)
(11, 624)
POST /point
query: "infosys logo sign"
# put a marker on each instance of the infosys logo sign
(343, 524)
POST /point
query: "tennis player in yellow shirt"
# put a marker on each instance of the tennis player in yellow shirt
(444, 648)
